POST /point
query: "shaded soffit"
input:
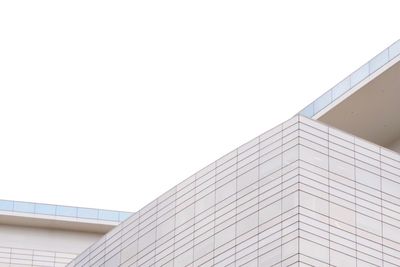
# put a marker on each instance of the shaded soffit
(372, 112)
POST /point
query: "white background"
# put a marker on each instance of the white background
(108, 104)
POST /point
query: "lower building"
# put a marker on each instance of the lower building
(34, 234)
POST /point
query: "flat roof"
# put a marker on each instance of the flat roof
(59, 216)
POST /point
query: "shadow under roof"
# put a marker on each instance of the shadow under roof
(367, 102)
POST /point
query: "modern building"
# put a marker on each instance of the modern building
(321, 189)
(34, 234)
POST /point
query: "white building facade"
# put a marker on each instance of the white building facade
(321, 189)
(35, 234)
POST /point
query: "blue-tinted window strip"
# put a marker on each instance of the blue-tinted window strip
(26, 207)
(379, 60)
(352, 80)
(109, 215)
(322, 101)
(6, 205)
(45, 209)
(308, 111)
(65, 211)
(87, 213)
(394, 50)
(341, 88)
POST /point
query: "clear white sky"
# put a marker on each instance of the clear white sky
(108, 104)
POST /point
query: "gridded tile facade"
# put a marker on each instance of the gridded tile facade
(302, 194)
(18, 257)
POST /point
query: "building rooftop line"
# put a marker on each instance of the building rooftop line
(63, 211)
